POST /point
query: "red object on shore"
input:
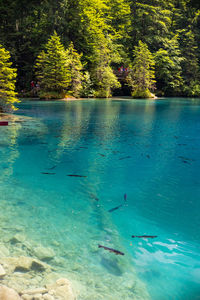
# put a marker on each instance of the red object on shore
(3, 123)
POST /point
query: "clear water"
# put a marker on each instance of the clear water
(148, 149)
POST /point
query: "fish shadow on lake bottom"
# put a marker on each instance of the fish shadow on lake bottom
(111, 266)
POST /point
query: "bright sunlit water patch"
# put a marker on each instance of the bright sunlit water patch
(147, 149)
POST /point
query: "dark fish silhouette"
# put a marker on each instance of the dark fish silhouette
(83, 147)
(115, 208)
(101, 154)
(111, 250)
(145, 236)
(185, 162)
(47, 173)
(185, 158)
(121, 158)
(115, 152)
(148, 156)
(73, 175)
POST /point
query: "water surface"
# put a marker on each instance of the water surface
(147, 149)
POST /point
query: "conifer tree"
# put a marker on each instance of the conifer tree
(168, 68)
(75, 67)
(52, 69)
(7, 81)
(151, 21)
(103, 75)
(190, 63)
(142, 76)
(87, 86)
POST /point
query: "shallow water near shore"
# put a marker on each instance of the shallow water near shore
(146, 149)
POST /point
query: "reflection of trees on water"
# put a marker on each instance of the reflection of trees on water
(104, 132)
(74, 127)
(16, 134)
(9, 149)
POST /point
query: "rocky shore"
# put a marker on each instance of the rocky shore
(60, 290)
(29, 278)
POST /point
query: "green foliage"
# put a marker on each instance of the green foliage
(51, 95)
(106, 82)
(75, 68)
(168, 68)
(142, 77)
(142, 94)
(105, 32)
(7, 81)
(52, 67)
(192, 90)
(190, 63)
(103, 74)
(87, 86)
(151, 21)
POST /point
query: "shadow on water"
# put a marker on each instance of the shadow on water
(111, 266)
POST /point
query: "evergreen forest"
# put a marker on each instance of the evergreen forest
(100, 48)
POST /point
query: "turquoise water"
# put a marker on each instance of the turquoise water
(147, 149)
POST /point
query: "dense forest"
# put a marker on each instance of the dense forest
(106, 41)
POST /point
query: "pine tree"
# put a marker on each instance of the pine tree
(151, 22)
(190, 63)
(7, 81)
(75, 68)
(103, 75)
(168, 68)
(87, 86)
(141, 77)
(52, 69)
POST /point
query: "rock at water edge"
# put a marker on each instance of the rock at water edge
(8, 294)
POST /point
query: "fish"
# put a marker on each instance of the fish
(47, 173)
(185, 162)
(124, 157)
(125, 197)
(185, 158)
(148, 156)
(74, 175)
(117, 252)
(115, 208)
(101, 154)
(145, 236)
